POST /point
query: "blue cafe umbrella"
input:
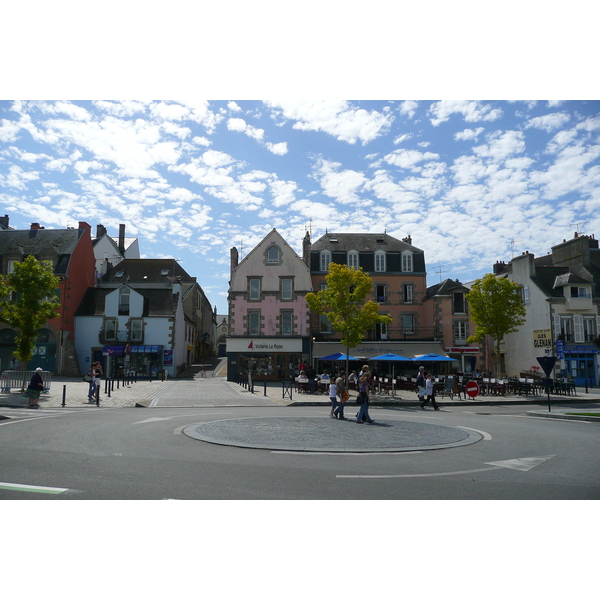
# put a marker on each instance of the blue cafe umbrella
(392, 358)
(433, 358)
(338, 356)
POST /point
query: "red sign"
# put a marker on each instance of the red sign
(472, 389)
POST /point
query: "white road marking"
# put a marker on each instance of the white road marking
(152, 420)
(521, 464)
(308, 453)
(485, 434)
(21, 487)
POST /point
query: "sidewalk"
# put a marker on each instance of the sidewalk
(157, 393)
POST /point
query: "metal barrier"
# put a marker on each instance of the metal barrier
(21, 379)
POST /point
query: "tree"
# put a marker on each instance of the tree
(496, 308)
(27, 301)
(342, 302)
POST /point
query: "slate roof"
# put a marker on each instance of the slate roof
(159, 302)
(362, 242)
(36, 242)
(146, 270)
(444, 288)
(545, 277)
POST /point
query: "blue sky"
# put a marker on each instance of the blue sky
(471, 182)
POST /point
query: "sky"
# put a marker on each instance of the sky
(471, 181)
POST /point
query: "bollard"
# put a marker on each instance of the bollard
(64, 395)
(97, 395)
(586, 386)
(108, 385)
(265, 387)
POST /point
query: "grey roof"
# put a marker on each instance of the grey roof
(157, 302)
(445, 288)
(545, 278)
(362, 242)
(568, 279)
(146, 270)
(56, 242)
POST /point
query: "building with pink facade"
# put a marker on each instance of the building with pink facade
(269, 322)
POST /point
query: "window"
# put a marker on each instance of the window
(458, 303)
(164, 272)
(379, 261)
(287, 288)
(579, 292)
(273, 255)
(325, 260)
(407, 262)
(589, 329)
(287, 320)
(124, 297)
(322, 286)
(254, 322)
(110, 330)
(137, 328)
(408, 323)
(11, 266)
(380, 293)
(324, 324)
(353, 259)
(460, 332)
(408, 293)
(566, 328)
(254, 289)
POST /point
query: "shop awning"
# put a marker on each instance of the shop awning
(369, 350)
(119, 350)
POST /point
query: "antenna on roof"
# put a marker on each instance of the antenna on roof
(512, 247)
(439, 270)
(578, 225)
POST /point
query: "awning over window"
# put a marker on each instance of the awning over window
(119, 350)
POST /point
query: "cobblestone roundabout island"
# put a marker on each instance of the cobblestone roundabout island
(318, 434)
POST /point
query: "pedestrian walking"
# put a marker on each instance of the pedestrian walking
(35, 388)
(332, 397)
(430, 393)
(363, 400)
(421, 385)
(343, 395)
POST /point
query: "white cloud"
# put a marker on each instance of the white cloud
(502, 144)
(548, 122)
(402, 138)
(341, 185)
(233, 106)
(472, 110)
(409, 107)
(280, 148)
(468, 134)
(409, 159)
(340, 119)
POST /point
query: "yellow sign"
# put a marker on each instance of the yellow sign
(542, 338)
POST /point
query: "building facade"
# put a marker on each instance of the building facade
(447, 309)
(71, 253)
(560, 293)
(399, 275)
(269, 325)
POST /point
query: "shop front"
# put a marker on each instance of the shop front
(270, 359)
(142, 361)
(581, 364)
(469, 356)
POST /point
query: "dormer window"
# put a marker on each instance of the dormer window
(353, 259)
(407, 262)
(380, 261)
(579, 292)
(273, 255)
(119, 274)
(164, 272)
(325, 260)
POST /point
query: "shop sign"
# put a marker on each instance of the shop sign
(581, 348)
(249, 345)
(461, 349)
(542, 338)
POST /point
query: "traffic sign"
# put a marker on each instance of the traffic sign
(472, 389)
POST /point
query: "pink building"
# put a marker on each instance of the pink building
(269, 322)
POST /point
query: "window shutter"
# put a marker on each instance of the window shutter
(556, 326)
(578, 322)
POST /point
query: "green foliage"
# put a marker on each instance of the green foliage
(27, 301)
(343, 303)
(496, 308)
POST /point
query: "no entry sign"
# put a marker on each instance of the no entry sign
(472, 389)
